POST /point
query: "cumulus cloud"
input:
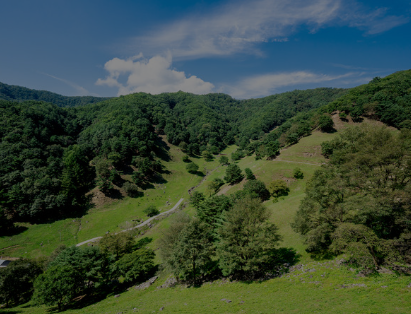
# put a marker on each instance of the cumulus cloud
(153, 75)
(241, 25)
(263, 85)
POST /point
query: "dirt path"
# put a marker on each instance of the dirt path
(140, 225)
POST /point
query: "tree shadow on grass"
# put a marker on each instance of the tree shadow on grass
(12, 231)
(321, 256)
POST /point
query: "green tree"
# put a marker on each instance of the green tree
(135, 266)
(58, 285)
(258, 188)
(207, 155)
(233, 174)
(16, 281)
(151, 211)
(138, 178)
(170, 235)
(298, 174)
(192, 253)
(186, 158)
(215, 185)
(116, 244)
(192, 167)
(278, 188)
(249, 174)
(246, 240)
(89, 262)
(223, 160)
(196, 198)
(210, 210)
(326, 123)
(77, 176)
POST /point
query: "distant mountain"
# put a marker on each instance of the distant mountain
(19, 93)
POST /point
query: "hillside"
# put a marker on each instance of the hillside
(19, 94)
(328, 185)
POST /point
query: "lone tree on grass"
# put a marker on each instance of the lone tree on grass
(192, 168)
(247, 240)
(233, 174)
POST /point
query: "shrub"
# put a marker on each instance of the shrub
(130, 188)
(151, 211)
(192, 168)
(298, 174)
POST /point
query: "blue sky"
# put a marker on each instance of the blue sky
(246, 49)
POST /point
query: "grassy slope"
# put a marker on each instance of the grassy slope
(42, 239)
(301, 291)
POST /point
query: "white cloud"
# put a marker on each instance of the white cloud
(267, 84)
(237, 27)
(241, 25)
(153, 75)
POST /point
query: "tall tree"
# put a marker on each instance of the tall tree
(246, 240)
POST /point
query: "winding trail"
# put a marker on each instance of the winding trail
(140, 225)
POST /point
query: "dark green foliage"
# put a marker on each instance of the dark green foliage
(34, 136)
(138, 178)
(77, 176)
(325, 123)
(207, 155)
(170, 235)
(298, 174)
(249, 174)
(151, 211)
(192, 167)
(233, 174)
(186, 158)
(131, 189)
(246, 240)
(223, 160)
(196, 198)
(19, 94)
(386, 99)
(210, 210)
(192, 252)
(258, 188)
(358, 203)
(214, 185)
(89, 262)
(278, 188)
(116, 244)
(58, 285)
(135, 267)
(16, 281)
(6, 224)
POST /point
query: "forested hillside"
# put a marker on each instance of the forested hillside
(18, 93)
(41, 143)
